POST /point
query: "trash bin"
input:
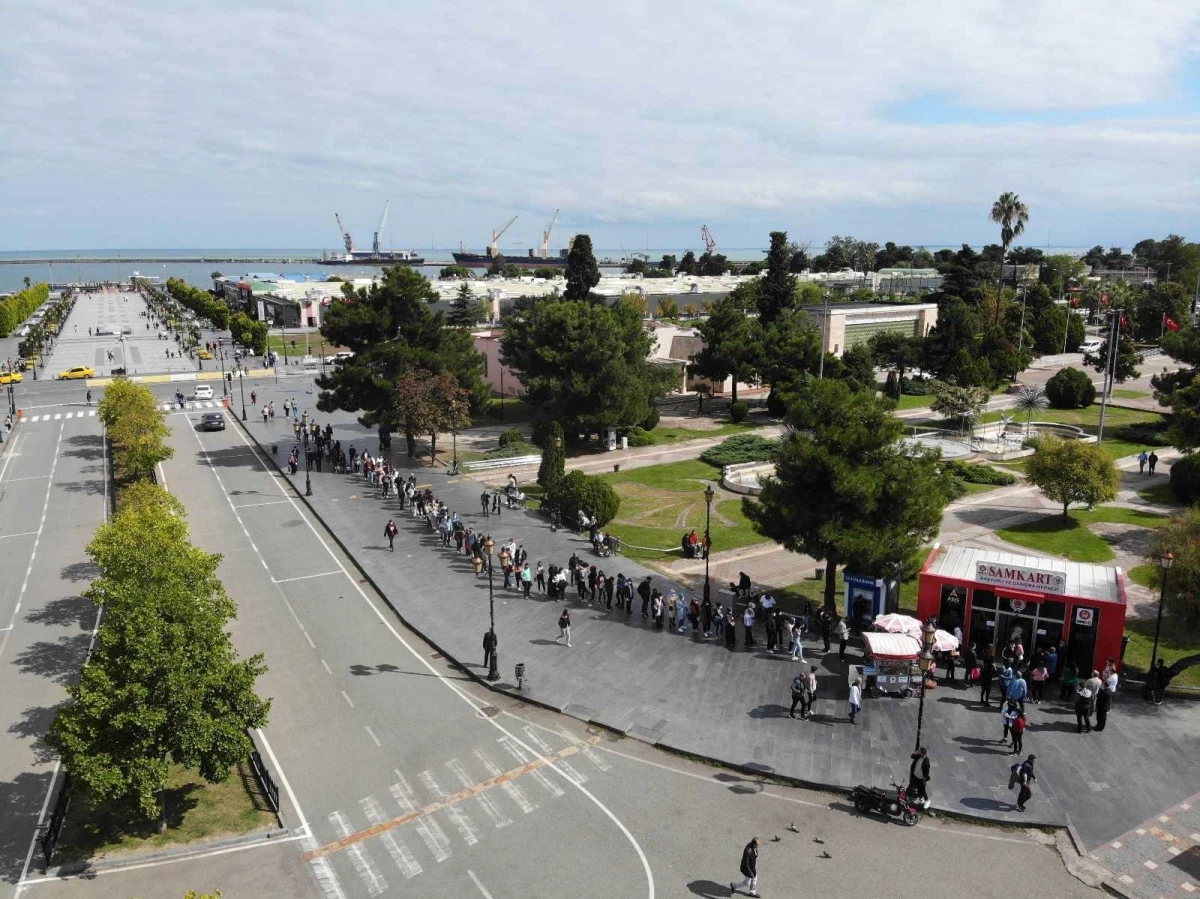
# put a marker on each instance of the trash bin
(624, 443)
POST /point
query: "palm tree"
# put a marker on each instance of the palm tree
(1011, 215)
(1031, 399)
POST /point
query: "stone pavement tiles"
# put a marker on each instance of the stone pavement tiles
(695, 696)
(1160, 857)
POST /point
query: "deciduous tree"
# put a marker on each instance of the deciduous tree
(1070, 471)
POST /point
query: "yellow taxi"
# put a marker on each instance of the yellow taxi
(79, 371)
(11, 377)
(204, 354)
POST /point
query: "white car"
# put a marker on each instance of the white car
(202, 392)
(1091, 346)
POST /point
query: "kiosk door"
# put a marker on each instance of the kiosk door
(1081, 646)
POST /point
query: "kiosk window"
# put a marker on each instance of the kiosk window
(1052, 611)
(954, 600)
(984, 599)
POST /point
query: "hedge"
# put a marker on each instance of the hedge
(741, 448)
(1185, 479)
(974, 473)
(17, 308)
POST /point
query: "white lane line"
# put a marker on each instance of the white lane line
(475, 880)
(374, 739)
(359, 857)
(499, 819)
(513, 791)
(274, 502)
(463, 824)
(36, 477)
(162, 477)
(326, 667)
(450, 685)
(12, 451)
(523, 755)
(395, 846)
(428, 830)
(306, 577)
(546, 749)
(22, 534)
(346, 696)
(36, 540)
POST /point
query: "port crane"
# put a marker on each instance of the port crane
(546, 236)
(493, 249)
(710, 242)
(379, 230)
(346, 238)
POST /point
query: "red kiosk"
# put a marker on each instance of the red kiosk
(994, 596)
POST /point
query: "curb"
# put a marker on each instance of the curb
(87, 868)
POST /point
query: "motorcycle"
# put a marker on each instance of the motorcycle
(879, 802)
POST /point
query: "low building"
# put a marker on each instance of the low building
(287, 301)
(844, 325)
(502, 379)
(906, 281)
(678, 345)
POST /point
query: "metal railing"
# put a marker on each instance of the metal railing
(53, 828)
(265, 781)
(511, 461)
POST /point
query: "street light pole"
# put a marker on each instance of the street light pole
(1164, 562)
(221, 359)
(709, 493)
(242, 385)
(924, 660)
(307, 472)
(493, 674)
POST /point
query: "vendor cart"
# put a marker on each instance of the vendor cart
(890, 664)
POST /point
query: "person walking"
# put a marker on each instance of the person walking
(749, 870)
(1153, 460)
(798, 684)
(89, 397)
(564, 626)
(1070, 680)
(798, 645)
(485, 502)
(842, 632)
(1142, 459)
(855, 699)
(1018, 733)
(489, 646)
(1025, 777)
(1016, 691)
(390, 532)
(918, 776)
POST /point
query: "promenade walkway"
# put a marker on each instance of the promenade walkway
(692, 695)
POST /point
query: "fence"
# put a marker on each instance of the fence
(511, 462)
(265, 781)
(50, 836)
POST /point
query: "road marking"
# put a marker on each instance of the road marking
(588, 753)
(404, 797)
(519, 753)
(36, 477)
(346, 696)
(463, 824)
(12, 451)
(396, 847)
(499, 819)
(23, 533)
(162, 477)
(326, 666)
(513, 791)
(274, 502)
(429, 830)
(57, 416)
(306, 577)
(362, 862)
(280, 482)
(547, 750)
(375, 739)
(475, 880)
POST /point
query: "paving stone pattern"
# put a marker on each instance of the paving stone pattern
(1160, 857)
(695, 696)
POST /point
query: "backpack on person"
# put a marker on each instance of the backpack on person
(1014, 775)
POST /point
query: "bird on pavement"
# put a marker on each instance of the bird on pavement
(793, 828)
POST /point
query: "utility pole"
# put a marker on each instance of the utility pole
(1114, 320)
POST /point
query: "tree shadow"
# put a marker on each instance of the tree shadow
(58, 661)
(32, 726)
(88, 488)
(20, 804)
(65, 612)
(80, 571)
(86, 446)
(235, 457)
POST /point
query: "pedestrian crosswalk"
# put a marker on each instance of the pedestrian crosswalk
(190, 405)
(57, 416)
(399, 833)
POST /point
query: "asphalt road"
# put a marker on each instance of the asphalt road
(367, 725)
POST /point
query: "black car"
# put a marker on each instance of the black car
(212, 421)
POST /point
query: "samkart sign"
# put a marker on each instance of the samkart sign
(1019, 577)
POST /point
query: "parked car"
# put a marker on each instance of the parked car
(212, 421)
(79, 371)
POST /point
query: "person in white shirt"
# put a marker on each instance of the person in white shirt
(855, 698)
(1104, 696)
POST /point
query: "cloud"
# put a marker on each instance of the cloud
(634, 118)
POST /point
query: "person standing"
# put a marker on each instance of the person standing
(526, 579)
(1025, 777)
(485, 502)
(1018, 734)
(1104, 700)
(826, 627)
(986, 672)
(810, 692)
(1039, 676)
(564, 626)
(855, 699)
(748, 622)
(1070, 680)
(489, 646)
(798, 687)
(798, 645)
(390, 532)
(842, 632)
(1153, 460)
(540, 577)
(749, 870)
(1016, 691)
(1083, 709)
(1094, 686)
(918, 776)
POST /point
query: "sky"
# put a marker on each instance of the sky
(156, 123)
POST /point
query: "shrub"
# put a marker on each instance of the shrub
(577, 490)
(974, 473)
(512, 435)
(640, 437)
(1070, 388)
(513, 449)
(650, 422)
(1185, 479)
(776, 404)
(1149, 433)
(738, 412)
(913, 387)
(891, 388)
(741, 448)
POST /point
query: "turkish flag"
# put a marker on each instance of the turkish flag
(1171, 324)
(1124, 324)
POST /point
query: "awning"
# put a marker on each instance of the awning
(891, 647)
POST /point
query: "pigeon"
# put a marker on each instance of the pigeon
(818, 840)
(793, 828)
(775, 839)
(824, 854)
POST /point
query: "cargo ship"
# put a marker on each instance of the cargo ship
(373, 256)
(531, 260)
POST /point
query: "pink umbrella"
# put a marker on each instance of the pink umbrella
(893, 623)
(944, 641)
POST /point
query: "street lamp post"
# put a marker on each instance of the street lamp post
(924, 660)
(454, 463)
(493, 674)
(1165, 561)
(242, 385)
(307, 472)
(221, 358)
(709, 493)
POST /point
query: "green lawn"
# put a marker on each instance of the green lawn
(664, 436)
(972, 489)
(1160, 493)
(660, 502)
(1071, 538)
(1129, 394)
(1174, 641)
(912, 402)
(196, 812)
(1146, 575)
(316, 344)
